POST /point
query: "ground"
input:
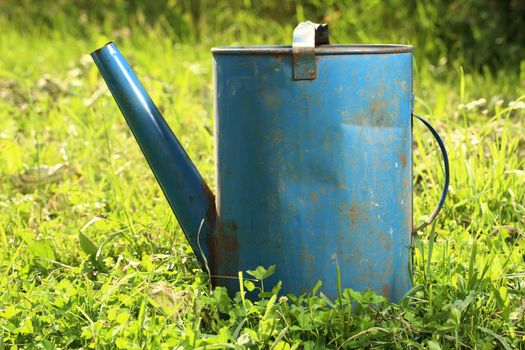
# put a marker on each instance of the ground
(91, 255)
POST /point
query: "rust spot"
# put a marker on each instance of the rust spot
(385, 242)
(378, 106)
(211, 237)
(386, 290)
(225, 253)
(211, 213)
(314, 196)
(307, 259)
(228, 243)
(403, 160)
(388, 269)
(352, 212)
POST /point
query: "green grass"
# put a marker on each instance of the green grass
(91, 255)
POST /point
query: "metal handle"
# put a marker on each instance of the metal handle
(447, 175)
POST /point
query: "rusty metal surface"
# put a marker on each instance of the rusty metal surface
(314, 173)
(311, 174)
(319, 50)
(306, 36)
(304, 63)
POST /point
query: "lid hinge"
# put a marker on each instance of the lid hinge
(306, 36)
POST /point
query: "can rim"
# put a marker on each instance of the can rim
(347, 49)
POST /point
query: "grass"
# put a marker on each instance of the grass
(92, 257)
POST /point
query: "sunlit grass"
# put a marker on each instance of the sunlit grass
(130, 280)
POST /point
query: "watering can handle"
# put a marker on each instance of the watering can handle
(447, 175)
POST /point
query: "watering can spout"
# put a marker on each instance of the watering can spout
(188, 195)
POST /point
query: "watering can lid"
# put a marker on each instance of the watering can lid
(348, 49)
(314, 38)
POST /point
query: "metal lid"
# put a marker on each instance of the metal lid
(309, 40)
(357, 49)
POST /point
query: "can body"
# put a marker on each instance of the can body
(315, 174)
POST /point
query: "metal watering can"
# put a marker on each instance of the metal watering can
(314, 162)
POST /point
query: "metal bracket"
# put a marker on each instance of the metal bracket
(306, 36)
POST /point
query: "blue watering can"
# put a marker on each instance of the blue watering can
(314, 163)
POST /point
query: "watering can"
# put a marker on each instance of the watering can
(313, 159)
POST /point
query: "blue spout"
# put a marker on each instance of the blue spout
(188, 195)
